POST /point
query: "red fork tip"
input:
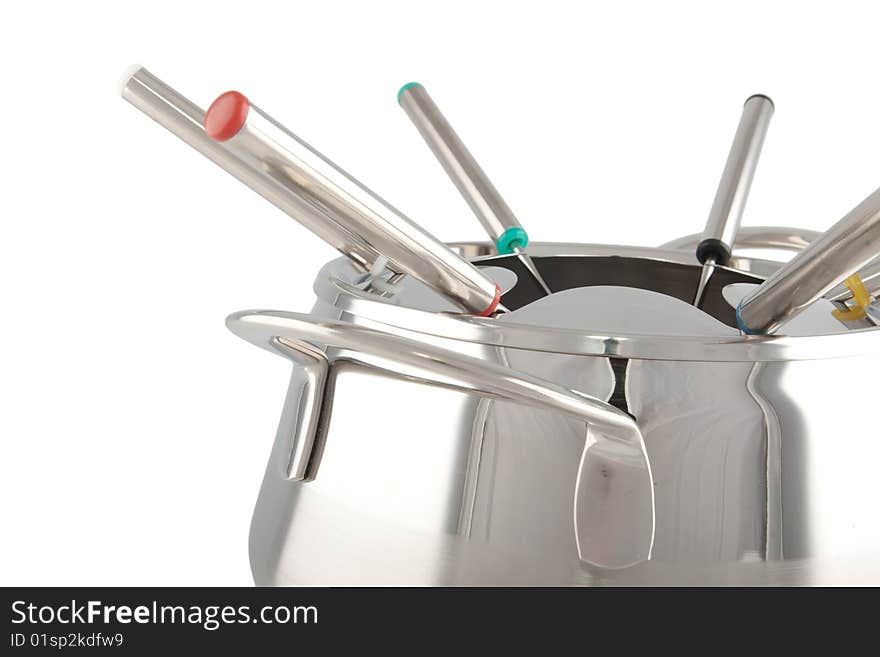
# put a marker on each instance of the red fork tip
(226, 115)
(494, 304)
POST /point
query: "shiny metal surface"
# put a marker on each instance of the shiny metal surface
(739, 170)
(469, 178)
(533, 270)
(283, 331)
(334, 198)
(677, 405)
(748, 487)
(417, 310)
(706, 272)
(472, 182)
(608, 433)
(755, 237)
(312, 190)
(719, 235)
(613, 466)
(846, 247)
(785, 239)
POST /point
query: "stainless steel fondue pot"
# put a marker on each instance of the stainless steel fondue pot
(509, 412)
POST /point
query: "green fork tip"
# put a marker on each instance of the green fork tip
(405, 87)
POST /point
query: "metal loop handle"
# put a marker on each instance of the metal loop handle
(613, 438)
(294, 335)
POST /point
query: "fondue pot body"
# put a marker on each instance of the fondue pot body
(754, 456)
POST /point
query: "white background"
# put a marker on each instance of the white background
(135, 428)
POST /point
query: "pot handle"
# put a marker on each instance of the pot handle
(613, 513)
(296, 335)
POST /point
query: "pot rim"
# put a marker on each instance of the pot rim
(335, 284)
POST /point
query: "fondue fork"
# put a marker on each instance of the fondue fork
(297, 179)
(469, 178)
(831, 258)
(733, 189)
